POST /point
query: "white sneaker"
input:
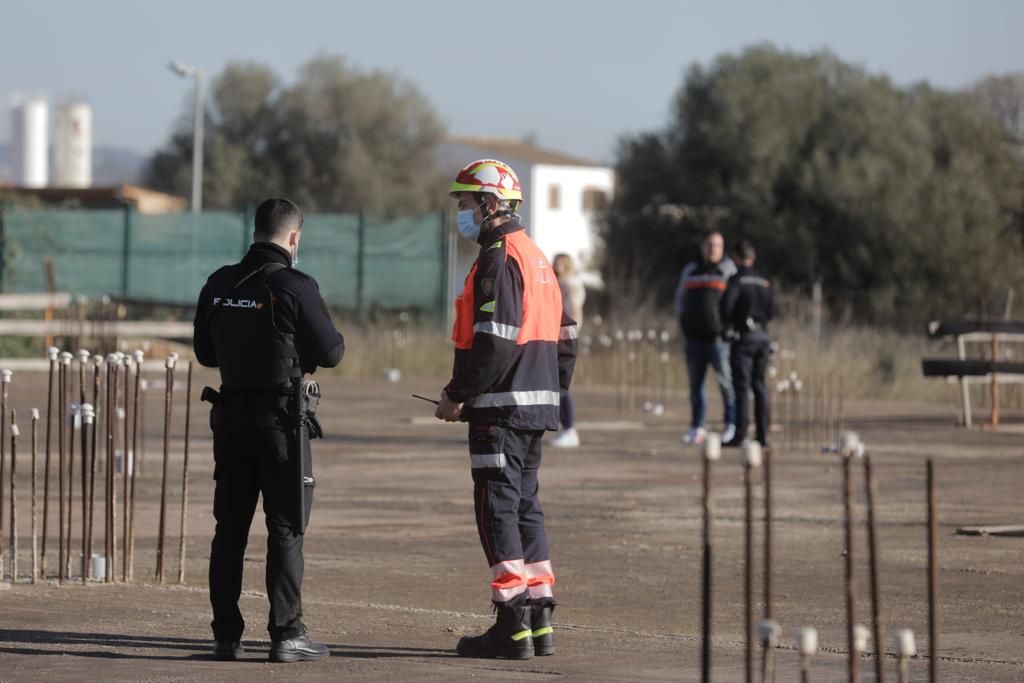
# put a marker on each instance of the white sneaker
(567, 438)
(695, 436)
(729, 433)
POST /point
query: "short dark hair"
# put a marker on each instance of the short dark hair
(275, 217)
(745, 250)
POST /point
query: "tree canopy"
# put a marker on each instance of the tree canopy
(337, 139)
(905, 202)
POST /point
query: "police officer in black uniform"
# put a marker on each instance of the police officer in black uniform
(746, 310)
(264, 325)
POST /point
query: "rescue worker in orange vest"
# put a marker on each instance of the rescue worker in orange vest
(515, 350)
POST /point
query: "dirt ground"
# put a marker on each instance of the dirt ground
(394, 573)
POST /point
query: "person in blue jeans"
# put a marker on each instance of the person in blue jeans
(698, 299)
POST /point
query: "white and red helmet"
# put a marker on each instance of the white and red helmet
(491, 176)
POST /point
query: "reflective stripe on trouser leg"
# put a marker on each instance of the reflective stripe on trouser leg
(508, 514)
(508, 580)
(540, 579)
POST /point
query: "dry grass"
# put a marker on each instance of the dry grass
(871, 363)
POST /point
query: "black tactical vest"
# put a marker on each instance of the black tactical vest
(252, 353)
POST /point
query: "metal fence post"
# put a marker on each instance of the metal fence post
(247, 221)
(360, 268)
(4, 206)
(442, 244)
(126, 246)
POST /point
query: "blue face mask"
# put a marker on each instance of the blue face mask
(466, 226)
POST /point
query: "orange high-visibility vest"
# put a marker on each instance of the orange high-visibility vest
(542, 298)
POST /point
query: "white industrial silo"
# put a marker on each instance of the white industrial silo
(30, 142)
(72, 158)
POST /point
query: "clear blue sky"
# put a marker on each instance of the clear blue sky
(577, 74)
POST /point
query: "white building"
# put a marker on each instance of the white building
(30, 140)
(562, 198)
(73, 146)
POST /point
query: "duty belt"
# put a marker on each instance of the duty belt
(271, 398)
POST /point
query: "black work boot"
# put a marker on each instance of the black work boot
(509, 638)
(298, 649)
(543, 631)
(228, 650)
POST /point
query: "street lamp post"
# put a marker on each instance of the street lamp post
(197, 132)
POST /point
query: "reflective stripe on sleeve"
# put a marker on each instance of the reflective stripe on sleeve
(515, 398)
(502, 330)
(569, 332)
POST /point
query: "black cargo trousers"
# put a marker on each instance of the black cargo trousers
(251, 457)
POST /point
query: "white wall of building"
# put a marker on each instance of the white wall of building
(30, 141)
(73, 145)
(567, 227)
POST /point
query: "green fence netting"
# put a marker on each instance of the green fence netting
(361, 264)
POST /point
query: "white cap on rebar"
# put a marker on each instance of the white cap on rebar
(850, 445)
(768, 632)
(35, 413)
(665, 336)
(14, 430)
(139, 356)
(751, 453)
(5, 376)
(169, 363)
(174, 355)
(111, 359)
(712, 446)
(83, 356)
(861, 636)
(905, 645)
(793, 376)
(97, 360)
(65, 358)
(807, 640)
(52, 353)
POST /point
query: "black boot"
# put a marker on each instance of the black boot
(509, 638)
(228, 650)
(301, 648)
(543, 631)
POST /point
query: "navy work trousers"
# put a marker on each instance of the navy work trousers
(509, 518)
(749, 359)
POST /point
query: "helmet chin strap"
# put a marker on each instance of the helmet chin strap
(487, 218)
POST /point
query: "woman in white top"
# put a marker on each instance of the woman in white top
(573, 296)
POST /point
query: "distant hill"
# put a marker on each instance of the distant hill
(110, 165)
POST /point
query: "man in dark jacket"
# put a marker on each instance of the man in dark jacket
(264, 325)
(747, 308)
(698, 298)
(515, 351)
